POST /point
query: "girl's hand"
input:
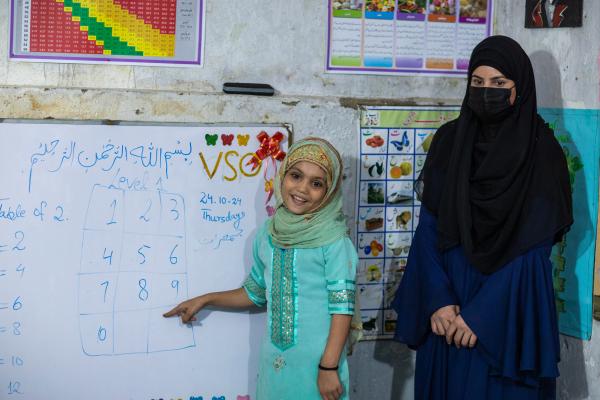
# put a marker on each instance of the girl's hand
(187, 309)
(460, 333)
(329, 384)
(442, 318)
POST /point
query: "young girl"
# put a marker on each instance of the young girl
(477, 300)
(304, 271)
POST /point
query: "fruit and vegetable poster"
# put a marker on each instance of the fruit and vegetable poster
(393, 145)
(159, 32)
(405, 37)
(578, 133)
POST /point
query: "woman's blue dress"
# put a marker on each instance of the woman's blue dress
(512, 312)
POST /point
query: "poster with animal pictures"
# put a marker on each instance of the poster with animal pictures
(393, 145)
(553, 13)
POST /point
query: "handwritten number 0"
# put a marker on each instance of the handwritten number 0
(102, 334)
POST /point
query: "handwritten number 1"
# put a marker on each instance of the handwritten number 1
(114, 207)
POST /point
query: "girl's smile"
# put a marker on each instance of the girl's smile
(304, 187)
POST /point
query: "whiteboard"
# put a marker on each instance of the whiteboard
(105, 227)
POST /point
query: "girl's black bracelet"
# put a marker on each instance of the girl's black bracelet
(322, 368)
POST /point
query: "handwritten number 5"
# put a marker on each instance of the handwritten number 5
(142, 254)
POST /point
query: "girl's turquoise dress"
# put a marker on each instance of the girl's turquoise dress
(301, 288)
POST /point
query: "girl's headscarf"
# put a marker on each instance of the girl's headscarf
(323, 225)
(498, 198)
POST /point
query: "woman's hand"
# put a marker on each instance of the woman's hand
(187, 309)
(460, 333)
(329, 384)
(442, 319)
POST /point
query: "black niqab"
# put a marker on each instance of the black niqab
(498, 190)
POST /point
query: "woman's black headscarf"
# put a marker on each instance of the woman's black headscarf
(498, 196)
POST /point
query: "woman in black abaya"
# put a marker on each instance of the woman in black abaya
(477, 300)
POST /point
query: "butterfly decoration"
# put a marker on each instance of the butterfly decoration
(243, 139)
(218, 398)
(227, 139)
(400, 145)
(211, 140)
(243, 397)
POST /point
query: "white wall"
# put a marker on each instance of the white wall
(283, 43)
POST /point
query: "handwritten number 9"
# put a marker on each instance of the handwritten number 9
(175, 285)
(143, 294)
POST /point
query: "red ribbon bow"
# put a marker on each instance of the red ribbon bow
(269, 146)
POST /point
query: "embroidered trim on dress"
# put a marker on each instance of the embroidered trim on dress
(341, 296)
(284, 299)
(255, 291)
